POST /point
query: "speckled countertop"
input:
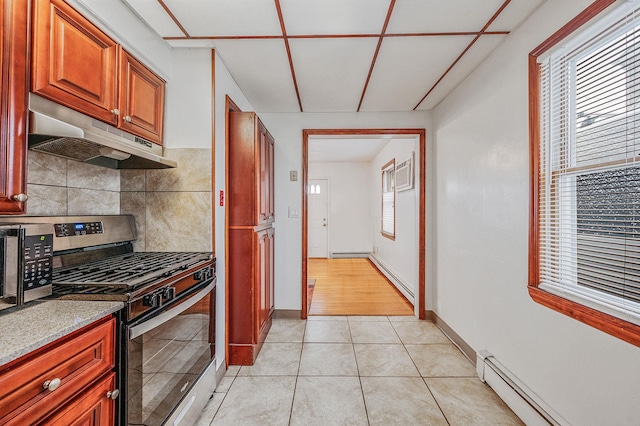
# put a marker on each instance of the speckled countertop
(29, 327)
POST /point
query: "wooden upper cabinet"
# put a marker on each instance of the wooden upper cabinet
(14, 77)
(74, 63)
(250, 171)
(141, 99)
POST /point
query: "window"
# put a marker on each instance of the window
(389, 200)
(585, 143)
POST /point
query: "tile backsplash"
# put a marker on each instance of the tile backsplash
(62, 187)
(172, 207)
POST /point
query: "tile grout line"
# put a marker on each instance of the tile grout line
(353, 348)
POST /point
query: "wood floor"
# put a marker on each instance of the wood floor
(353, 287)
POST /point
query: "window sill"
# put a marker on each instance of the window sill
(609, 324)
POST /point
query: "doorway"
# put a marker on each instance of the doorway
(418, 235)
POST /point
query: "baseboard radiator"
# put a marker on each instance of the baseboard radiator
(522, 401)
(349, 255)
(403, 287)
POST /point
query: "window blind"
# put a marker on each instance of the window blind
(589, 177)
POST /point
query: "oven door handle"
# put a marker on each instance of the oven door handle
(154, 322)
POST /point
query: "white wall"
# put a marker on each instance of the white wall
(482, 199)
(287, 131)
(400, 255)
(350, 212)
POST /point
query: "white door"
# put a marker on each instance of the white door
(318, 211)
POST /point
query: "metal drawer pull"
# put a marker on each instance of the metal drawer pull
(115, 111)
(51, 384)
(127, 119)
(113, 394)
(21, 198)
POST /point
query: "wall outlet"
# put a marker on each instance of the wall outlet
(293, 175)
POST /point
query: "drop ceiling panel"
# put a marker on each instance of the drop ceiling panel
(156, 17)
(226, 17)
(347, 150)
(261, 70)
(515, 12)
(407, 67)
(470, 61)
(331, 72)
(334, 16)
(435, 16)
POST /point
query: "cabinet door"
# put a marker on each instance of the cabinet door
(271, 264)
(270, 178)
(74, 63)
(263, 293)
(92, 408)
(262, 155)
(141, 99)
(13, 104)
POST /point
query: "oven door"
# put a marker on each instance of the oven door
(168, 352)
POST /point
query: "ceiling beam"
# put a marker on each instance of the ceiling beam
(375, 55)
(286, 44)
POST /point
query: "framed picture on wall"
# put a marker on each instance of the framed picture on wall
(404, 173)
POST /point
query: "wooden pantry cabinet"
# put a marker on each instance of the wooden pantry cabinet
(251, 235)
(14, 77)
(75, 64)
(69, 381)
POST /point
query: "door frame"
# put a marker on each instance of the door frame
(328, 210)
(306, 133)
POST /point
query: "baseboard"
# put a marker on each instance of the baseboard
(287, 314)
(349, 255)
(466, 349)
(402, 287)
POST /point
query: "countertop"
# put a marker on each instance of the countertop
(26, 328)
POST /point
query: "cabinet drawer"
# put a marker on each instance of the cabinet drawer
(76, 360)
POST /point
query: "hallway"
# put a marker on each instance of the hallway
(371, 370)
(353, 287)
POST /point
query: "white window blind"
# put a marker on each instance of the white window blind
(388, 201)
(589, 182)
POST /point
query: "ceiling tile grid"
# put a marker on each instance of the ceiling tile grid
(337, 55)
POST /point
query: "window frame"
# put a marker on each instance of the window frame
(607, 323)
(390, 168)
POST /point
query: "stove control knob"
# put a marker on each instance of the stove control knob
(169, 293)
(152, 300)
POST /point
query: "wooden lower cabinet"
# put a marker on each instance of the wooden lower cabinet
(66, 380)
(251, 286)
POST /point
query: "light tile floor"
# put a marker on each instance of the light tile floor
(356, 371)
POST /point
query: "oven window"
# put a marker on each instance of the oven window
(165, 362)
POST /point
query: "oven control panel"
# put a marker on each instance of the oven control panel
(78, 228)
(38, 261)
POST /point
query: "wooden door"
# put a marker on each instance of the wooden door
(271, 178)
(141, 99)
(14, 72)
(74, 63)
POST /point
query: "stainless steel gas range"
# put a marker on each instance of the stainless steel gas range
(166, 354)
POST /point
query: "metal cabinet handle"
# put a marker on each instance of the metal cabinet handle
(115, 111)
(127, 119)
(51, 384)
(20, 198)
(113, 394)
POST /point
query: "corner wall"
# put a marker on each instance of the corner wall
(482, 222)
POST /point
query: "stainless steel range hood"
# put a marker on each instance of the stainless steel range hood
(57, 130)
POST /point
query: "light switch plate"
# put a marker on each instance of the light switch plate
(293, 175)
